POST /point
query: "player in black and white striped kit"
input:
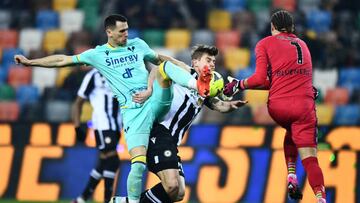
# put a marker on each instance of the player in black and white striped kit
(166, 136)
(106, 122)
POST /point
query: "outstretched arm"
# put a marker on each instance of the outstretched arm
(48, 61)
(225, 106)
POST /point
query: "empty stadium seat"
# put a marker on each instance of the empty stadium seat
(44, 77)
(54, 40)
(71, 20)
(325, 113)
(32, 112)
(61, 75)
(234, 5)
(237, 58)
(8, 56)
(256, 97)
(258, 6)
(47, 19)
(63, 5)
(319, 20)
(57, 111)
(202, 37)
(219, 20)
(54, 93)
(30, 39)
(5, 19)
(154, 37)
(184, 56)
(8, 38)
(91, 11)
(244, 73)
(289, 5)
(347, 115)
(349, 78)
(177, 39)
(134, 33)
(27, 94)
(261, 115)
(337, 96)
(19, 75)
(7, 93)
(9, 111)
(325, 79)
(227, 39)
(308, 5)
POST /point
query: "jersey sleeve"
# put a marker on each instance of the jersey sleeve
(259, 78)
(149, 54)
(85, 57)
(87, 85)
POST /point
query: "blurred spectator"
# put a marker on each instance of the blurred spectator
(163, 14)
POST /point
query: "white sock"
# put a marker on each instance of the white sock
(80, 200)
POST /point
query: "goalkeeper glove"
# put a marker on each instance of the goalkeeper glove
(233, 87)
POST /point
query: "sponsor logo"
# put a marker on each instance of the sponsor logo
(123, 60)
(127, 73)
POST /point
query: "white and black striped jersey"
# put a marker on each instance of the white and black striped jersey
(185, 106)
(106, 115)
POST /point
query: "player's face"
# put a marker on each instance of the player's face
(205, 59)
(119, 34)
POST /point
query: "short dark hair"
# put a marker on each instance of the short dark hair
(198, 50)
(110, 21)
(283, 21)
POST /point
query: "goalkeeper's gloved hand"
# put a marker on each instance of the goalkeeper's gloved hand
(233, 87)
(80, 135)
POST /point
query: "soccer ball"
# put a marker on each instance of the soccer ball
(216, 84)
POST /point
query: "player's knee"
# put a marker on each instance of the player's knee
(172, 188)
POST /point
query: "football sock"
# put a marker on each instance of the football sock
(134, 181)
(291, 154)
(111, 166)
(315, 176)
(155, 194)
(94, 180)
(177, 74)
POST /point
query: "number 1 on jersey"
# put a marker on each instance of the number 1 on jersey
(299, 52)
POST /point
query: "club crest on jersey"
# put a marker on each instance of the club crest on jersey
(132, 48)
(167, 153)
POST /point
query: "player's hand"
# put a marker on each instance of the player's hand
(141, 97)
(232, 87)
(20, 59)
(237, 104)
(80, 134)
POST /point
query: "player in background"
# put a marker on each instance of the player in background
(283, 66)
(166, 136)
(122, 62)
(106, 122)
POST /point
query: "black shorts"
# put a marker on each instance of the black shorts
(162, 151)
(107, 140)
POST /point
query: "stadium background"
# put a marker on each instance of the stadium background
(233, 157)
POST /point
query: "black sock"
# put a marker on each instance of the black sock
(90, 187)
(157, 192)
